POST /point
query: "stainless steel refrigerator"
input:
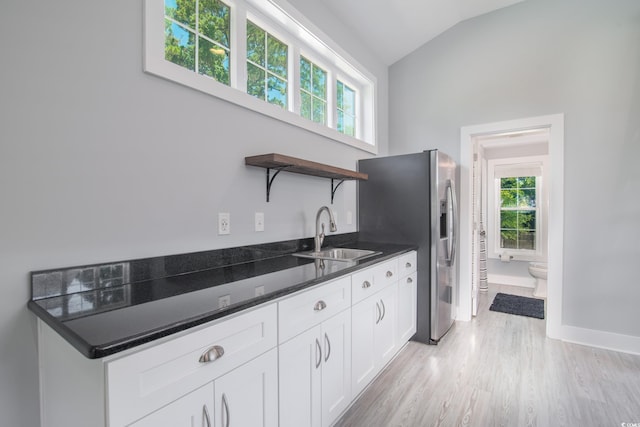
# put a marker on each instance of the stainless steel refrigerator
(411, 199)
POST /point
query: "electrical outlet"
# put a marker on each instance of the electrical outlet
(259, 291)
(224, 301)
(224, 223)
(259, 219)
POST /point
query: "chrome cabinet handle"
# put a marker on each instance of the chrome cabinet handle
(318, 354)
(389, 274)
(409, 280)
(366, 284)
(328, 352)
(212, 354)
(378, 313)
(205, 416)
(320, 305)
(408, 265)
(225, 414)
(384, 310)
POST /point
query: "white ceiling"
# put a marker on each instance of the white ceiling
(394, 28)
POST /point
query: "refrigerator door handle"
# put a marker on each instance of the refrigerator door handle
(454, 219)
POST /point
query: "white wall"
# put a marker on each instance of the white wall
(99, 162)
(540, 57)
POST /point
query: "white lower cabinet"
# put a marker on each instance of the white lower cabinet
(407, 307)
(193, 410)
(374, 336)
(315, 374)
(248, 395)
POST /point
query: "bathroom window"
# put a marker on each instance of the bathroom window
(518, 213)
(516, 208)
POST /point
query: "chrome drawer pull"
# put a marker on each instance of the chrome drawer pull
(389, 274)
(214, 353)
(408, 265)
(320, 305)
(366, 284)
(409, 280)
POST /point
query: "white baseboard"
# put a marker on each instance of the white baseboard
(601, 339)
(501, 279)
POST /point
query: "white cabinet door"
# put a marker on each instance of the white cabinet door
(300, 370)
(336, 366)
(364, 319)
(386, 340)
(407, 306)
(248, 395)
(192, 410)
(315, 385)
(374, 336)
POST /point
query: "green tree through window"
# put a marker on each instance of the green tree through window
(313, 91)
(346, 98)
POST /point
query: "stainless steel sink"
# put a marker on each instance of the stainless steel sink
(338, 254)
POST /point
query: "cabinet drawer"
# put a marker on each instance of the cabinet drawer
(373, 279)
(309, 308)
(144, 381)
(408, 263)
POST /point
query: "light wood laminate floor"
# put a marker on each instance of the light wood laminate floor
(501, 370)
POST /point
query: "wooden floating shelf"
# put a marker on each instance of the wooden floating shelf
(279, 162)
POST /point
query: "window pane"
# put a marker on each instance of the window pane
(213, 61)
(509, 239)
(527, 198)
(305, 74)
(339, 94)
(305, 105)
(527, 182)
(349, 101)
(183, 11)
(319, 111)
(527, 240)
(215, 21)
(349, 125)
(255, 44)
(277, 53)
(179, 45)
(509, 198)
(319, 83)
(277, 91)
(255, 81)
(509, 219)
(340, 124)
(527, 220)
(508, 183)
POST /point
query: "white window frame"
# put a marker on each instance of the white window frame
(493, 208)
(291, 27)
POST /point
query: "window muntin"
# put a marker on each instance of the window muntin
(313, 91)
(518, 213)
(197, 36)
(267, 66)
(346, 109)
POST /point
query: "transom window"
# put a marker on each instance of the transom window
(313, 91)
(197, 36)
(243, 50)
(267, 66)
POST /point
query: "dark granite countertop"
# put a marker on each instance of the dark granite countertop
(106, 308)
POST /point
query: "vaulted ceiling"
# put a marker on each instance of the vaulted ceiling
(394, 28)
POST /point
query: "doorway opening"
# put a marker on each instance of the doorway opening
(517, 136)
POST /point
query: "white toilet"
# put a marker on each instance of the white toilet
(539, 271)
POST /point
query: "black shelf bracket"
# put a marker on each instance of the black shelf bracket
(270, 179)
(333, 189)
